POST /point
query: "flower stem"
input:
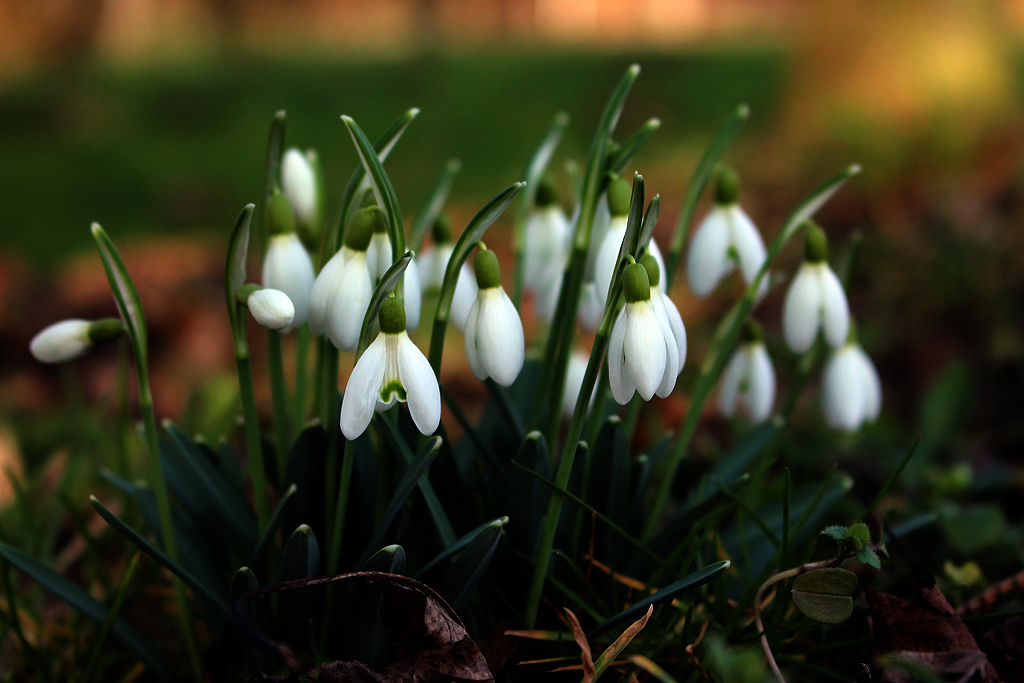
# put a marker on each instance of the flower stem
(253, 441)
(301, 378)
(279, 399)
(338, 527)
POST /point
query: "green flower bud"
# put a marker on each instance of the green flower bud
(280, 216)
(650, 264)
(441, 231)
(378, 219)
(815, 243)
(105, 330)
(392, 316)
(635, 284)
(619, 193)
(727, 186)
(488, 274)
(360, 230)
(546, 195)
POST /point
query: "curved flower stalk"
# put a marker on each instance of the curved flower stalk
(287, 267)
(343, 289)
(70, 339)
(748, 381)
(548, 237)
(726, 238)
(852, 390)
(642, 353)
(495, 342)
(379, 259)
(619, 193)
(433, 263)
(816, 299)
(391, 369)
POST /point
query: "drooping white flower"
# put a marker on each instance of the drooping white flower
(642, 353)
(748, 382)
(343, 289)
(298, 180)
(664, 307)
(852, 390)
(590, 309)
(379, 259)
(433, 263)
(547, 240)
(494, 341)
(725, 239)
(288, 267)
(391, 369)
(271, 308)
(815, 300)
(574, 375)
(70, 339)
(413, 294)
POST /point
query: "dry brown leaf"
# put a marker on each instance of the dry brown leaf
(581, 640)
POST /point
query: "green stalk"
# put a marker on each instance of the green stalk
(279, 399)
(112, 615)
(338, 528)
(301, 378)
(253, 441)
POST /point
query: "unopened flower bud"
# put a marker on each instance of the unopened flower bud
(271, 308)
(280, 217)
(727, 186)
(636, 286)
(488, 273)
(70, 339)
(619, 193)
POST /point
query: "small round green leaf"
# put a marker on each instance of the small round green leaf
(827, 581)
(827, 609)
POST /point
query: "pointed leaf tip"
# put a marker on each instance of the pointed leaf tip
(96, 229)
(743, 111)
(634, 69)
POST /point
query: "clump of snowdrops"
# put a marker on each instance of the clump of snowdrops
(541, 504)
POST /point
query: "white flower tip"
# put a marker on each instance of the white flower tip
(61, 342)
(96, 229)
(299, 183)
(271, 308)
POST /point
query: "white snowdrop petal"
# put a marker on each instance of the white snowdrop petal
(872, 387)
(413, 295)
(644, 348)
(574, 376)
(288, 267)
(464, 297)
(732, 378)
(675, 322)
(345, 319)
(271, 308)
(62, 341)
(548, 288)
(476, 365)
(834, 309)
(299, 184)
(598, 230)
(607, 258)
(707, 262)
(619, 382)
(547, 235)
(761, 383)
(499, 333)
(378, 255)
(843, 390)
(750, 250)
(801, 311)
(590, 309)
(652, 247)
(417, 377)
(362, 393)
(325, 288)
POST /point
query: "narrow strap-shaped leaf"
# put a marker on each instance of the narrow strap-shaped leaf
(458, 545)
(125, 294)
(234, 269)
(650, 667)
(381, 184)
(617, 162)
(390, 559)
(463, 577)
(697, 184)
(275, 147)
(613, 650)
(387, 283)
(890, 481)
(432, 205)
(158, 555)
(694, 580)
(647, 227)
(89, 607)
(357, 182)
(416, 469)
(275, 521)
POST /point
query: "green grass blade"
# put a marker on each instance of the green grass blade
(458, 545)
(461, 580)
(381, 185)
(618, 161)
(126, 296)
(432, 205)
(275, 147)
(234, 271)
(91, 608)
(275, 521)
(687, 583)
(891, 481)
(158, 555)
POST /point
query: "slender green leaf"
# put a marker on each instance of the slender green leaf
(275, 521)
(461, 580)
(688, 583)
(613, 650)
(458, 545)
(275, 147)
(125, 294)
(158, 555)
(89, 607)
(649, 222)
(234, 270)
(891, 480)
(381, 184)
(387, 283)
(112, 616)
(617, 162)
(433, 204)
(390, 559)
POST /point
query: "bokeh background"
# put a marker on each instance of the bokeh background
(151, 117)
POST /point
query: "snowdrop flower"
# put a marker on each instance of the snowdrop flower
(271, 308)
(494, 333)
(664, 307)
(547, 239)
(343, 289)
(391, 369)
(727, 238)
(432, 265)
(608, 255)
(748, 381)
(590, 310)
(851, 387)
(299, 182)
(287, 267)
(574, 375)
(815, 299)
(379, 259)
(70, 339)
(642, 353)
